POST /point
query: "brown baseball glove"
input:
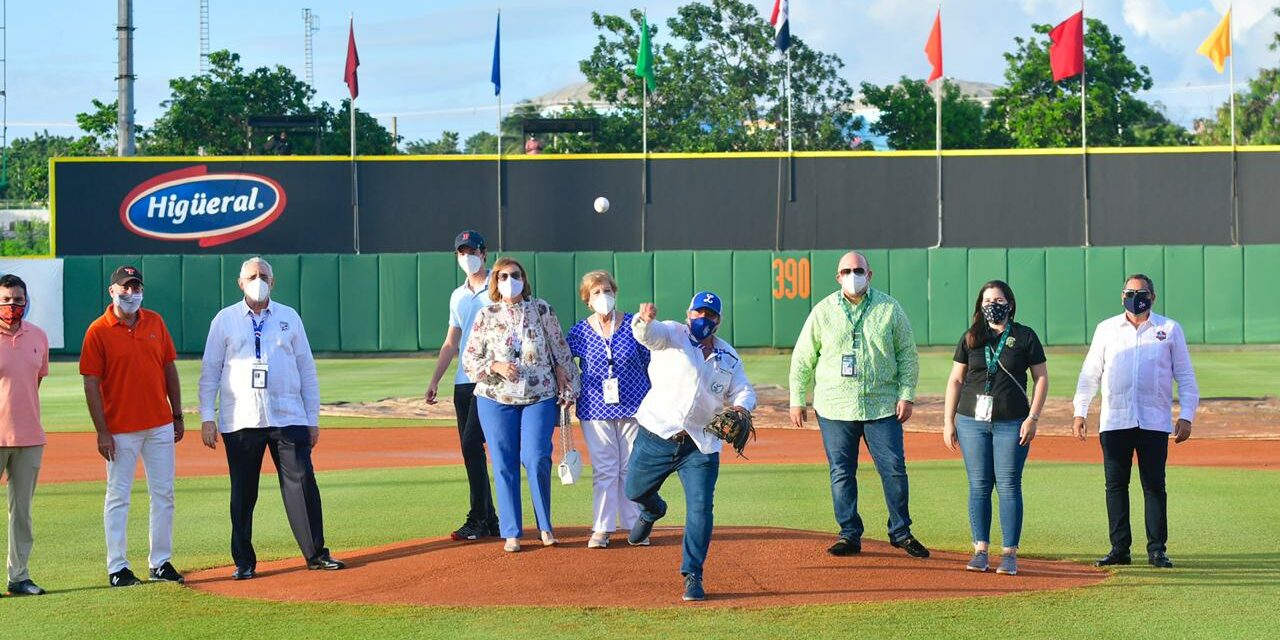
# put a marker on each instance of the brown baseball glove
(734, 427)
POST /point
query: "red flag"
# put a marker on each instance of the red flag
(1066, 53)
(353, 61)
(933, 48)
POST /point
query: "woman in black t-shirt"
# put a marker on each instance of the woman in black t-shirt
(989, 412)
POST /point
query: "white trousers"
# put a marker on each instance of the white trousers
(609, 443)
(156, 448)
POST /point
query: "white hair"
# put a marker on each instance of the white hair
(262, 264)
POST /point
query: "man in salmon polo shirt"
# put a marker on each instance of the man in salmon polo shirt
(24, 363)
(131, 385)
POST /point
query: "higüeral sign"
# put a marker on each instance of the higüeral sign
(212, 208)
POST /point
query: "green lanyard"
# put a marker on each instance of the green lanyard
(993, 357)
(862, 312)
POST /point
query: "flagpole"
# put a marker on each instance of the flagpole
(937, 142)
(788, 100)
(498, 91)
(1235, 187)
(644, 142)
(1084, 130)
(355, 171)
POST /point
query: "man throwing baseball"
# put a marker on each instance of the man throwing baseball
(695, 376)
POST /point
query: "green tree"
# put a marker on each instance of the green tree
(371, 137)
(30, 238)
(1257, 110)
(100, 124)
(27, 162)
(908, 115)
(719, 84)
(446, 145)
(1032, 110)
(480, 143)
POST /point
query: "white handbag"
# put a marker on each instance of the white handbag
(570, 468)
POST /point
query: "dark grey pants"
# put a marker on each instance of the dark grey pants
(291, 452)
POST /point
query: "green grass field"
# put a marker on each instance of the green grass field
(1221, 372)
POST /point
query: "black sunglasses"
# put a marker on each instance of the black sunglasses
(1129, 293)
(514, 275)
(857, 272)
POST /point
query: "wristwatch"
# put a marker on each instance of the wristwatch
(1034, 417)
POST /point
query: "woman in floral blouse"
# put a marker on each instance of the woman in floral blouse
(615, 378)
(520, 362)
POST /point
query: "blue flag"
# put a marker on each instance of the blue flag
(496, 76)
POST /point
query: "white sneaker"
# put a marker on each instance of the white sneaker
(599, 540)
(512, 545)
(548, 540)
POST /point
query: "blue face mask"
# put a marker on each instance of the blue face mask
(1138, 303)
(700, 328)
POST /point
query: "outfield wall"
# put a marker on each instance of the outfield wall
(399, 302)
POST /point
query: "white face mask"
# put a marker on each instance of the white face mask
(510, 288)
(257, 290)
(602, 303)
(470, 264)
(854, 284)
(127, 303)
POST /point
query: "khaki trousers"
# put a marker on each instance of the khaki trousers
(20, 466)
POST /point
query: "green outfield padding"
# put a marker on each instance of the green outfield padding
(822, 273)
(358, 312)
(1148, 260)
(878, 261)
(713, 271)
(83, 298)
(584, 261)
(286, 271)
(986, 265)
(558, 285)
(1183, 291)
(791, 292)
(201, 300)
(397, 302)
(228, 285)
(948, 295)
(672, 283)
(435, 283)
(909, 285)
(1064, 297)
(164, 291)
(752, 297)
(634, 273)
(320, 302)
(1104, 280)
(1224, 295)
(1026, 278)
(1261, 304)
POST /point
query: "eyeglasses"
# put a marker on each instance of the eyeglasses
(1129, 293)
(857, 272)
(509, 275)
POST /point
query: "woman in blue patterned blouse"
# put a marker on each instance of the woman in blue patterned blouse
(615, 378)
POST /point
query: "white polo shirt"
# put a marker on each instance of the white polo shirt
(464, 304)
(689, 389)
(1136, 368)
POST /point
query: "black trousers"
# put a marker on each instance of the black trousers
(1118, 448)
(291, 452)
(473, 455)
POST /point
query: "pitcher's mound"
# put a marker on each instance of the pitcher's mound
(746, 567)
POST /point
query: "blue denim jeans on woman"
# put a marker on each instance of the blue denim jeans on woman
(993, 457)
(653, 459)
(841, 440)
(519, 435)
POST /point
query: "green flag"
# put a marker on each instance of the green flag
(644, 57)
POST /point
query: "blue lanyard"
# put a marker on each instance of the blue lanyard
(257, 336)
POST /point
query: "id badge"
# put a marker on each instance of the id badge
(610, 389)
(849, 366)
(517, 388)
(982, 408)
(258, 375)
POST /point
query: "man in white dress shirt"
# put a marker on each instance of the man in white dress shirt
(1135, 357)
(695, 375)
(259, 389)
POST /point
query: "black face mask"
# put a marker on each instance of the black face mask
(995, 312)
(1138, 303)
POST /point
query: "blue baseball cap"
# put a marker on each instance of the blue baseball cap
(705, 300)
(469, 238)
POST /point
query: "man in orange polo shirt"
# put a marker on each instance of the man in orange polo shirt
(131, 385)
(24, 362)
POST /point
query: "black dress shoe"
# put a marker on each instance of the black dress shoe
(25, 588)
(845, 547)
(326, 563)
(1159, 560)
(244, 573)
(1114, 558)
(912, 547)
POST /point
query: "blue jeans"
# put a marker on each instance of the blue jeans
(840, 438)
(519, 435)
(652, 460)
(992, 456)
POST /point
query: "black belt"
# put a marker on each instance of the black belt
(679, 438)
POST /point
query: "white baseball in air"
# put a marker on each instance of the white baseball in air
(602, 204)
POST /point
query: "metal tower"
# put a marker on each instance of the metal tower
(204, 36)
(310, 25)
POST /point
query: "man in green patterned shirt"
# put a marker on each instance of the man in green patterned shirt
(857, 350)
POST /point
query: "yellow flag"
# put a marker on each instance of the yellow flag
(1217, 47)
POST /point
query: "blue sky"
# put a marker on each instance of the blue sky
(428, 61)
